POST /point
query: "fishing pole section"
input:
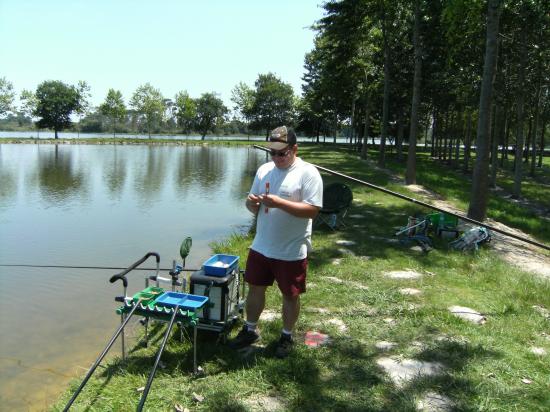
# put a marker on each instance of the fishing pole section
(153, 303)
(427, 205)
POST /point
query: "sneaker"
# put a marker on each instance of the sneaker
(284, 346)
(244, 338)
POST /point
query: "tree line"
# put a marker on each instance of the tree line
(259, 108)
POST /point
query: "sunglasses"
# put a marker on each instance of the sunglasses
(277, 153)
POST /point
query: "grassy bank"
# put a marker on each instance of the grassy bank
(484, 367)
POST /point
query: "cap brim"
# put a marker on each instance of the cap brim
(277, 145)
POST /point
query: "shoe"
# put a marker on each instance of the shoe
(244, 338)
(284, 346)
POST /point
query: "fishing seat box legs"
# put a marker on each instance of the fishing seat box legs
(224, 305)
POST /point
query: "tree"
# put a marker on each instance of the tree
(210, 113)
(28, 103)
(56, 101)
(83, 107)
(186, 111)
(478, 201)
(149, 102)
(7, 96)
(410, 175)
(114, 108)
(243, 97)
(273, 103)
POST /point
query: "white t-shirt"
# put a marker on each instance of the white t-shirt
(279, 234)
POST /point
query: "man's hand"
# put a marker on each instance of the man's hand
(270, 201)
(253, 203)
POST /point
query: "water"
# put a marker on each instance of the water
(89, 205)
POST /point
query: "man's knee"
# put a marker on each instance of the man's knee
(256, 290)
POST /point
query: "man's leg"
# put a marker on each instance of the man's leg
(255, 302)
(291, 311)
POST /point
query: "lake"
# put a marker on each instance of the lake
(88, 205)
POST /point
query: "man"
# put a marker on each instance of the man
(286, 195)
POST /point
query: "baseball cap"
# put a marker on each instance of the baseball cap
(281, 137)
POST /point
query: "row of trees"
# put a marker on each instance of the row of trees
(269, 103)
(452, 66)
(54, 102)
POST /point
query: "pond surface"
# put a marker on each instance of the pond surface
(86, 205)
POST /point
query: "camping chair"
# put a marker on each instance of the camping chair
(337, 198)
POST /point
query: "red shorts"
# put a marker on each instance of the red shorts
(290, 275)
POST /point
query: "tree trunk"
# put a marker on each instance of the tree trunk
(478, 203)
(55, 130)
(528, 140)
(541, 153)
(410, 173)
(352, 124)
(494, 146)
(536, 121)
(364, 149)
(459, 135)
(335, 125)
(426, 132)
(505, 135)
(518, 172)
(467, 143)
(386, 101)
(399, 137)
(435, 125)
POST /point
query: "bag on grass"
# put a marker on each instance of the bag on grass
(472, 239)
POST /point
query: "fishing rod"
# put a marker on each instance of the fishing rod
(410, 199)
(88, 267)
(120, 276)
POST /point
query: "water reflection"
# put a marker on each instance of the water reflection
(114, 173)
(8, 188)
(58, 179)
(151, 174)
(202, 166)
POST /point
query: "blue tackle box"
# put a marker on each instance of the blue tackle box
(220, 265)
(183, 300)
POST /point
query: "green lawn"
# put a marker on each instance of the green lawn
(484, 365)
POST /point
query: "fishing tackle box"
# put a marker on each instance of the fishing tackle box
(224, 299)
(220, 265)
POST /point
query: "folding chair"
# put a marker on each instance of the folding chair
(337, 198)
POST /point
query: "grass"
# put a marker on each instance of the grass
(484, 364)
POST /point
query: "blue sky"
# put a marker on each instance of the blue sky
(199, 46)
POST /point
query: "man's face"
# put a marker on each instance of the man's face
(285, 157)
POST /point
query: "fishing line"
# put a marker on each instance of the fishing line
(89, 267)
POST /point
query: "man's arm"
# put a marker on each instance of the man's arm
(298, 209)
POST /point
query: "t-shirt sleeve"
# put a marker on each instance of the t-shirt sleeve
(312, 188)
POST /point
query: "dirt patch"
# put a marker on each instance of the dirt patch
(265, 404)
(403, 274)
(402, 371)
(468, 314)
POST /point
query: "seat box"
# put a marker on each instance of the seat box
(223, 293)
(220, 265)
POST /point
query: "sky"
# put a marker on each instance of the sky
(194, 45)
